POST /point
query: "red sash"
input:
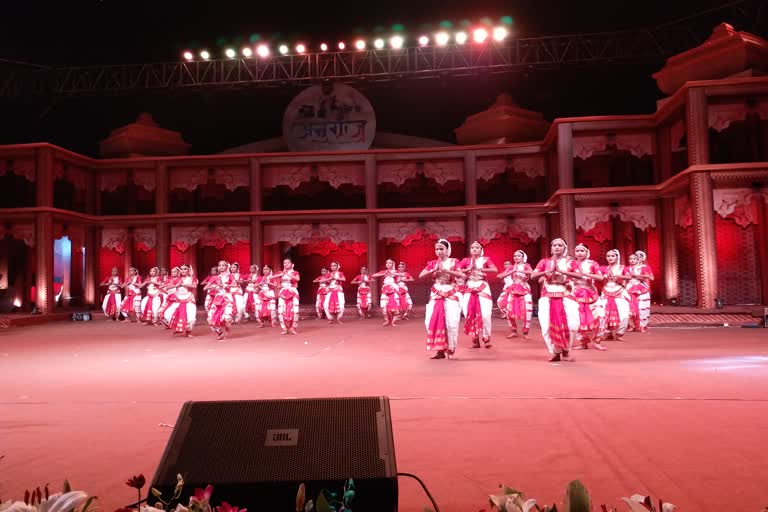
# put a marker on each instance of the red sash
(558, 323)
(333, 302)
(363, 294)
(287, 296)
(437, 338)
(112, 303)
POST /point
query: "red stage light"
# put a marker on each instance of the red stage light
(324, 47)
(300, 48)
(360, 44)
(423, 40)
(188, 55)
(342, 45)
(479, 35)
(263, 50)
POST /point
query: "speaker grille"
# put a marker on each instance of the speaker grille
(224, 442)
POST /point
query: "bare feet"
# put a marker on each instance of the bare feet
(525, 336)
(555, 358)
(583, 346)
(513, 334)
(284, 332)
(292, 331)
(598, 346)
(440, 355)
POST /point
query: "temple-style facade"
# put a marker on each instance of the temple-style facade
(688, 184)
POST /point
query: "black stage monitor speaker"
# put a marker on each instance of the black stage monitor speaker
(256, 453)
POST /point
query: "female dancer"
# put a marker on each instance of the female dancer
(182, 314)
(402, 280)
(520, 302)
(584, 272)
(363, 282)
(639, 288)
(168, 290)
(559, 318)
(222, 308)
(503, 299)
(322, 291)
(334, 299)
(288, 297)
(252, 293)
(478, 302)
(389, 301)
(211, 292)
(237, 292)
(112, 300)
(614, 299)
(268, 310)
(150, 304)
(131, 307)
(443, 310)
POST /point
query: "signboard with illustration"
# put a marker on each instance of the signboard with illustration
(329, 117)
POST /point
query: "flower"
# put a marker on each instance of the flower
(137, 482)
(226, 507)
(202, 495)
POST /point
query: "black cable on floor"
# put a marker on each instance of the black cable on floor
(429, 495)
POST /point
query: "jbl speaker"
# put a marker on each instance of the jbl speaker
(256, 453)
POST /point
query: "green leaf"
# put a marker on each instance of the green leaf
(577, 498)
(348, 497)
(322, 504)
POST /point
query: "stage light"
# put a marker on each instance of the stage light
(262, 50)
(230, 53)
(205, 55)
(499, 33)
(441, 38)
(342, 45)
(17, 301)
(379, 44)
(300, 48)
(247, 52)
(360, 44)
(460, 37)
(479, 35)
(324, 47)
(423, 40)
(396, 42)
(283, 49)
(188, 56)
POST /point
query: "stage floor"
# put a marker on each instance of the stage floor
(680, 413)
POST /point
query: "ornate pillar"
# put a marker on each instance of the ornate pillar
(163, 229)
(257, 241)
(255, 183)
(702, 208)
(130, 248)
(697, 126)
(373, 250)
(371, 182)
(92, 243)
(470, 178)
(44, 177)
(161, 188)
(470, 228)
(761, 242)
(566, 203)
(44, 249)
(163, 244)
(662, 165)
(91, 193)
(669, 265)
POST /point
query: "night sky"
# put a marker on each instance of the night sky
(131, 31)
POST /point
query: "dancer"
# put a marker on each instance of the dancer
(520, 301)
(559, 318)
(181, 315)
(639, 288)
(478, 302)
(211, 292)
(614, 299)
(222, 310)
(112, 299)
(288, 297)
(443, 310)
(267, 299)
(168, 290)
(131, 306)
(237, 292)
(322, 291)
(503, 299)
(389, 301)
(334, 299)
(402, 280)
(363, 282)
(150, 304)
(252, 305)
(584, 272)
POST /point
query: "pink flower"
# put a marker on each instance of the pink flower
(204, 494)
(226, 507)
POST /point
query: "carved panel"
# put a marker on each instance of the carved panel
(532, 166)
(145, 178)
(182, 237)
(683, 213)
(188, 178)
(145, 239)
(525, 228)
(20, 167)
(588, 218)
(20, 231)
(110, 180)
(442, 171)
(740, 204)
(720, 116)
(406, 232)
(296, 234)
(638, 144)
(114, 239)
(642, 216)
(75, 175)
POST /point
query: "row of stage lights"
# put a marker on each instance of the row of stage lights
(479, 36)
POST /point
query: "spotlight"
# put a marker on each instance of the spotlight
(396, 42)
(247, 52)
(188, 55)
(423, 40)
(460, 37)
(479, 35)
(262, 50)
(230, 53)
(499, 33)
(324, 47)
(360, 44)
(300, 48)
(283, 49)
(441, 38)
(205, 55)
(379, 44)
(342, 45)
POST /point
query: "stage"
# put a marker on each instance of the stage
(678, 412)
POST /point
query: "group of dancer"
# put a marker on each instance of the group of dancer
(572, 313)
(570, 309)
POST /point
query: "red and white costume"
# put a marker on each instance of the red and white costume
(169, 297)
(584, 292)
(288, 301)
(404, 296)
(502, 301)
(614, 300)
(267, 301)
(477, 300)
(252, 300)
(390, 296)
(559, 317)
(322, 292)
(238, 296)
(334, 299)
(150, 304)
(443, 312)
(222, 309)
(180, 316)
(363, 294)
(211, 293)
(132, 298)
(113, 299)
(520, 302)
(639, 293)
